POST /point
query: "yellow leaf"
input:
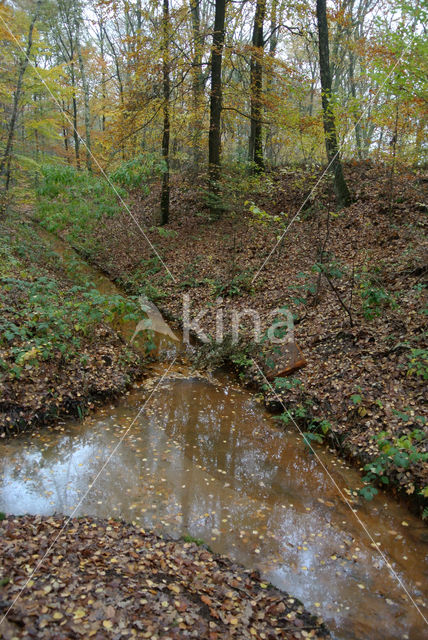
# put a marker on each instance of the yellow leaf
(57, 615)
(107, 624)
(79, 613)
(175, 588)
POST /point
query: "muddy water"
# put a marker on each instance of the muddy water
(203, 458)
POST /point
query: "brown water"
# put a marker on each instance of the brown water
(203, 458)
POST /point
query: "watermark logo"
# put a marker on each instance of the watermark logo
(227, 322)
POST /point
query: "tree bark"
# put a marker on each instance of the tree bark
(74, 103)
(273, 44)
(356, 117)
(197, 83)
(166, 122)
(340, 187)
(5, 162)
(255, 145)
(214, 139)
(86, 106)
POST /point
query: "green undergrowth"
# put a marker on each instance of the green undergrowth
(395, 454)
(40, 320)
(75, 202)
(43, 315)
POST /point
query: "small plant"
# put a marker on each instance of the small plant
(290, 382)
(418, 363)
(394, 453)
(316, 431)
(303, 292)
(239, 284)
(266, 219)
(152, 291)
(375, 298)
(198, 541)
(164, 232)
(213, 355)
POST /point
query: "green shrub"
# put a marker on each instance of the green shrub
(137, 173)
(418, 363)
(239, 284)
(75, 201)
(394, 453)
(375, 298)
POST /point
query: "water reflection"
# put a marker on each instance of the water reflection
(204, 459)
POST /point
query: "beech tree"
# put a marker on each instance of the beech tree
(214, 139)
(255, 152)
(340, 187)
(166, 122)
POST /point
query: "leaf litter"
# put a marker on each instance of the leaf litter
(109, 579)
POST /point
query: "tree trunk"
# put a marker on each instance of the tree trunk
(103, 78)
(197, 83)
(255, 146)
(214, 139)
(87, 113)
(340, 187)
(5, 162)
(356, 117)
(166, 123)
(75, 132)
(273, 44)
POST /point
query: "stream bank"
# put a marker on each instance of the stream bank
(203, 458)
(107, 578)
(366, 372)
(60, 354)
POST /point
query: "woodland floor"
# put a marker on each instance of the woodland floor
(110, 579)
(365, 378)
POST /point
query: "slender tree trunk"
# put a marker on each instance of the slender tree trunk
(197, 83)
(214, 139)
(103, 78)
(75, 132)
(166, 122)
(86, 106)
(357, 124)
(117, 66)
(419, 139)
(5, 162)
(255, 146)
(273, 43)
(340, 187)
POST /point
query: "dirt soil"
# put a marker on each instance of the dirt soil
(361, 327)
(107, 579)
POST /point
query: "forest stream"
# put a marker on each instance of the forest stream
(203, 458)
